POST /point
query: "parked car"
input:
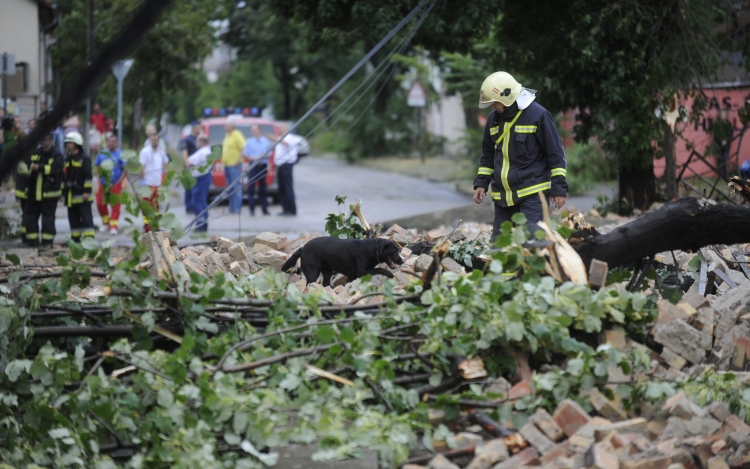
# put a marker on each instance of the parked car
(213, 127)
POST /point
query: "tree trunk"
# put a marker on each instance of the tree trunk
(638, 188)
(683, 224)
(670, 170)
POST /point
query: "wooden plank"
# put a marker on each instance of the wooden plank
(725, 278)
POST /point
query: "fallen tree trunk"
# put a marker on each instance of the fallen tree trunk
(683, 224)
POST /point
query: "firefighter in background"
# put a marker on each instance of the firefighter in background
(78, 188)
(22, 178)
(43, 190)
(522, 154)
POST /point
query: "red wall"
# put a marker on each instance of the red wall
(730, 99)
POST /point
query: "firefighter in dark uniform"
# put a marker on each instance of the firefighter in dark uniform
(78, 188)
(22, 179)
(522, 153)
(43, 184)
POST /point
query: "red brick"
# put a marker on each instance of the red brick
(601, 456)
(737, 425)
(659, 461)
(527, 456)
(520, 389)
(559, 451)
(638, 441)
(570, 416)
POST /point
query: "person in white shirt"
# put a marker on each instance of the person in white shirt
(284, 158)
(153, 162)
(201, 171)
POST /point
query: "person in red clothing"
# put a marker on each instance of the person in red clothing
(98, 119)
(99, 122)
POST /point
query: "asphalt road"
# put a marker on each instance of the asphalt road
(384, 196)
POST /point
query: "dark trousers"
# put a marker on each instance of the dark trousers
(530, 206)
(286, 188)
(258, 172)
(32, 210)
(81, 221)
(22, 204)
(189, 205)
(200, 201)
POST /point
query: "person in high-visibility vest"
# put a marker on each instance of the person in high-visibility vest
(78, 188)
(44, 181)
(522, 154)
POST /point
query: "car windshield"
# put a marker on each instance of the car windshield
(216, 132)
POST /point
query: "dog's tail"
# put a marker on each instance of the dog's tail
(292, 261)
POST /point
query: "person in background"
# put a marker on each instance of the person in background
(71, 124)
(43, 174)
(231, 158)
(285, 157)
(78, 187)
(201, 171)
(98, 119)
(31, 125)
(151, 130)
(98, 130)
(256, 149)
(188, 146)
(153, 162)
(745, 170)
(110, 182)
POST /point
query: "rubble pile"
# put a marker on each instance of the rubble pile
(679, 435)
(708, 329)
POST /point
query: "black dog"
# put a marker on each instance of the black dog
(351, 257)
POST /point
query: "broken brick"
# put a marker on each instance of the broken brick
(611, 409)
(601, 456)
(441, 462)
(274, 241)
(672, 359)
(536, 438)
(570, 416)
(679, 336)
(423, 262)
(492, 451)
(452, 266)
(223, 245)
(544, 421)
(523, 458)
(522, 388)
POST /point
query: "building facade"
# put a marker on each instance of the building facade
(25, 32)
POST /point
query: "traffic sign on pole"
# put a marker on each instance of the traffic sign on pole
(416, 96)
(120, 69)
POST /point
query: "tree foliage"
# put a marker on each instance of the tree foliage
(165, 58)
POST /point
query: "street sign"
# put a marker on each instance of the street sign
(416, 96)
(8, 65)
(121, 68)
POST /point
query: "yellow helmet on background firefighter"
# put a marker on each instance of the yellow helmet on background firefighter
(499, 87)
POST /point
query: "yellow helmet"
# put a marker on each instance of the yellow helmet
(499, 87)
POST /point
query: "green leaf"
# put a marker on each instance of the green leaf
(518, 218)
(165, 398)
(325, 334)
(133, 165)
(14, 259)
(76, 250)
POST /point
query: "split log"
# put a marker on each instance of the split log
(683, 224)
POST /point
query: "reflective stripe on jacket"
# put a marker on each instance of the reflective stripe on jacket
(46, 183)
(522, 156)
(78, 179)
